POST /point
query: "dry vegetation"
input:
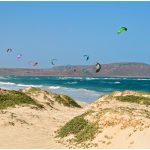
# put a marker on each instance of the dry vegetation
(117, 112)
(33, 118)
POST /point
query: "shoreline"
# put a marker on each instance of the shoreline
(75, 76)
(85, 89)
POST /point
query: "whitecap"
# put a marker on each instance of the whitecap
(28, 85)
(91, 78)
(117, 82)
(7, 83)
(65, 78)
(111, 78)
(143, 79)
(54, 87)
(71, 83)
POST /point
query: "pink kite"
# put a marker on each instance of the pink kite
(19, 56)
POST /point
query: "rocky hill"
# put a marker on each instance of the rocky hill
(114, 69)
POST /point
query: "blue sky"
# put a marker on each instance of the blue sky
(41, 31)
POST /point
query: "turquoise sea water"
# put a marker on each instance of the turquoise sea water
(86, 89)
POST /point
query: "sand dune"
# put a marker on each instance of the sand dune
(119, 124)
(28, 127)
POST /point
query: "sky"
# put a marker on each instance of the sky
(41, 31)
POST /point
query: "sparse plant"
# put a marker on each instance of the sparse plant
(134, 99)
(66, 100)
(72, 127)
(81, 128)
(87, 133)
(12, 98)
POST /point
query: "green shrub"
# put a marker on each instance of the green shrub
(72, 127)
(134, 99)
(33, 89)
(66, 101)
(61, 99)
(81, 128)
(12, 98)
(87, 133)
(89, 112)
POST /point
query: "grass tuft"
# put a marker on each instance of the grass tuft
(66, 101)
(33, 90)
(12, 98)
(89, 112)
(74, 126)
(87, 133)
(81, 128)
(61, 99)
(134, 99)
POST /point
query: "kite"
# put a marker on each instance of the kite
(30, 62)
(52, 61)
(19, 56)
(120, 30)
(98, 67)
(87, 57)
(35, 64)
(9, 50)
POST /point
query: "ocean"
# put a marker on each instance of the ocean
(86, 89)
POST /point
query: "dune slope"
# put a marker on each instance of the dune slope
(33, 125)
(116, 120)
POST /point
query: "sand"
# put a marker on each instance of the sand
(28, 127)
(23, 127)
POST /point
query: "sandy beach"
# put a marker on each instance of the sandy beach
(27, 127)
(121, 124)
(74, 75)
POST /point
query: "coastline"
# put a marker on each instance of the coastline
(85, 89)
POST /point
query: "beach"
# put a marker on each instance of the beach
(28, 127)
(38, 124)
(74, 75)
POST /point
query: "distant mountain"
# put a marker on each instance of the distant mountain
(113, 69)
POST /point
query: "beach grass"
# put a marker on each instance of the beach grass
(13, 98)
(33, 90)
(88, 112)
(74, 126)
(134, 99)
(66, 101)
(87, 133)
(80, 127)
(60, 98)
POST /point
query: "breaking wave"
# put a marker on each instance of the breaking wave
(65, 78)
(54, 87)
(71, 83)
(7, 83)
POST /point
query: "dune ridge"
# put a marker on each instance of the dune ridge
(115, 120)
(119, 120)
